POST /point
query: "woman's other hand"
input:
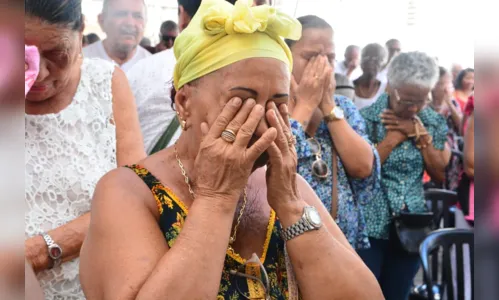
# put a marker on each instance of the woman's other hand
(282, 192)
(222, 167)
(327, 104)
(308, 93)
(392, 122)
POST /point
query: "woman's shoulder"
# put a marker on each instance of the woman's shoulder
(97, 70)
(123, 186)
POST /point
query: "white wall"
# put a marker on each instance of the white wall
(442, 28)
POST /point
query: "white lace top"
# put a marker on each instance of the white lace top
(66, 154)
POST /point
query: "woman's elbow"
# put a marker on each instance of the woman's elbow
(363, 168)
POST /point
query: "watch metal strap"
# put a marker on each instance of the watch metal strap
(51, 245)
(296, 229)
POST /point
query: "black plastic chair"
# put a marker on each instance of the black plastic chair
(444, 240)
(442, 204)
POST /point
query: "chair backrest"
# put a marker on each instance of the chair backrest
(440, 202)
(445, 239)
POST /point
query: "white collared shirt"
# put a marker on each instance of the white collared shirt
(151, 80)
(96, 50)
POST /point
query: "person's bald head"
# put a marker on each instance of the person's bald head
(124, 22)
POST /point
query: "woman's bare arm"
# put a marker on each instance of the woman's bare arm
(126, 256)
(129, 142)
(325, 264)
(469, 148)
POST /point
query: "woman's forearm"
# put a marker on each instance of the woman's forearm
(385, 148)
(436, 161)
(325, 268)
(69, 237)
(192, 268)
(356, 154)
(302, 114)
(457, 116)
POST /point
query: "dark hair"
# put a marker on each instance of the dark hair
(391, 42)
(442, 71)
(190, 6)
(92, 38)
(56, 12)
(458, 84)
(310, 22)
(168, 26)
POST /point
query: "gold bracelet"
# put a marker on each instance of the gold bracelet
(421, 145)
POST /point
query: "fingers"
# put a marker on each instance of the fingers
(247, 130)
(275, 154)
(241, 116)
(227, 114)
(310, 69)
(389, 121)
(273, 119)
(262, 144)
(283, 109)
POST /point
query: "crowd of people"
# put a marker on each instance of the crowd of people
(239, 158)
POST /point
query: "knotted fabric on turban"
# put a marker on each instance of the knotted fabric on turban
(221, 34)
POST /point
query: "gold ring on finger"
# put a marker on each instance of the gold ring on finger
(229, 136)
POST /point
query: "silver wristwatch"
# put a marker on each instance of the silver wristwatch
(55, 251)
(310, 220)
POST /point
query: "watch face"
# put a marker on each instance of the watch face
(338, 112)
(55, 252)
(314, 217)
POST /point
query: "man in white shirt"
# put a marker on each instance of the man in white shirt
(151, 81)
(393, 47)
(123, 21)
(350, 67)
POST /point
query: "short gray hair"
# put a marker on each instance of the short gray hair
(105, 6)
(413, 68)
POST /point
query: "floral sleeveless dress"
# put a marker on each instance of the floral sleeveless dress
(173, 214)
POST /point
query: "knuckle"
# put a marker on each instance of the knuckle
(222, 120)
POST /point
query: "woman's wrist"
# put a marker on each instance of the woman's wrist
(303, 113)
(37, 253)
(290, 212)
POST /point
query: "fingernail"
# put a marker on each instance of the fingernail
(259, 108)
(251, 102)
(284, 108)
(237, 101)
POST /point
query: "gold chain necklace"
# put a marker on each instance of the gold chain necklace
(241, 211)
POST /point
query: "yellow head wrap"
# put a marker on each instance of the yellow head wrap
(221, 34)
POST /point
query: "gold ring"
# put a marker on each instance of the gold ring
(229, 136)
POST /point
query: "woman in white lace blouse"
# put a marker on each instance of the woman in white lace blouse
(81, 122)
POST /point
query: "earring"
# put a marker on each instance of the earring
(183, 123)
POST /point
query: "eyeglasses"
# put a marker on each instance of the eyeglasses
(406, 103)
(319, 166)
(256, 278)
(167, 38)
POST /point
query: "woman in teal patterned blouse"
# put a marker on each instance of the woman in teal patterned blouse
(410, 139)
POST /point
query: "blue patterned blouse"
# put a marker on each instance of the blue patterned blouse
(402, 172)
(353, 194)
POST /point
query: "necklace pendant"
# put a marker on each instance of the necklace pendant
(231, 241)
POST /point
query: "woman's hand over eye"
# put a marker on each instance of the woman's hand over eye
(308, 93)
(282, 190)
(223, 167)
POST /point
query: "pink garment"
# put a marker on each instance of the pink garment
(31, 67)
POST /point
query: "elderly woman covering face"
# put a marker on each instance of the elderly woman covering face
(410, 138)
(185, 223)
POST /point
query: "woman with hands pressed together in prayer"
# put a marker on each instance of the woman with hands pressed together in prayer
(334, 153)
(197, 229)
(410, 138)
